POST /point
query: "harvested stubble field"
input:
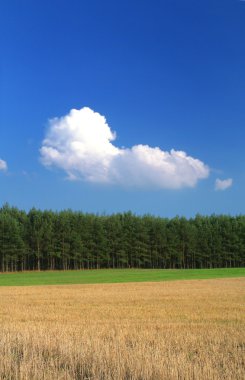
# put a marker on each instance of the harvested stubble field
(144, 331)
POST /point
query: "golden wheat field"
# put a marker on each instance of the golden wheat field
(165, 330)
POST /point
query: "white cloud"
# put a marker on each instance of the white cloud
(223, 184)
(81, 143)
(3, 165)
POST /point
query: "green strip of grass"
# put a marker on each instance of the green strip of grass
(114, 276)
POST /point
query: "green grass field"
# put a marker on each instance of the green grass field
(114, 276)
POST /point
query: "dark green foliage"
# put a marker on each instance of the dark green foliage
(41, 240)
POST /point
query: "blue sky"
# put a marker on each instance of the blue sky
(167, 74)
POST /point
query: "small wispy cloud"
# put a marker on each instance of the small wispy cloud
(3, 165)
(223, 184)
(81, 143)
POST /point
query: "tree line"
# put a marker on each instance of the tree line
(47, 240)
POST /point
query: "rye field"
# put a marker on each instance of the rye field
(188, 329)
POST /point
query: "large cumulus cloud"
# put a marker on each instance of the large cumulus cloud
(81, 144)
